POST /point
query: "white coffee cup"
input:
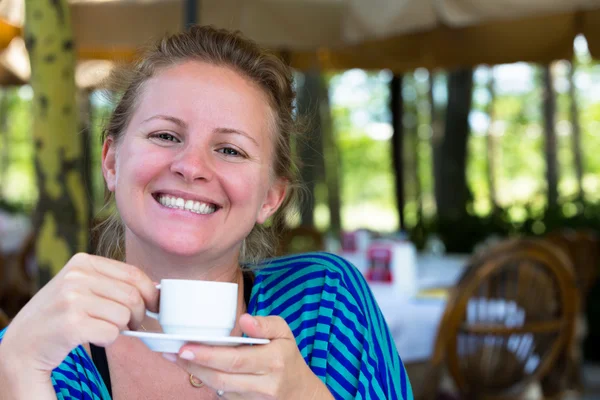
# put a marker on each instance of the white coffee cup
(199, 308)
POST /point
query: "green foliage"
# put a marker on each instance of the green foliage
(359, 105)
(17, 170)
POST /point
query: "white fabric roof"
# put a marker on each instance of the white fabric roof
(342, 33)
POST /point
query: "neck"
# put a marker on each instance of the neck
(159, 265)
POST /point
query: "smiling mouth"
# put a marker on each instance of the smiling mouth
(196, 207)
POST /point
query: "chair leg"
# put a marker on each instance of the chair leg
(553, 384)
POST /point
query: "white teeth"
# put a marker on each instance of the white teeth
(188, 205)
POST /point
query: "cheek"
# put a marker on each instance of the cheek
(247, 186)
(138, 166)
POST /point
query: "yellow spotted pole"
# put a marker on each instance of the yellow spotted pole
(61, 217)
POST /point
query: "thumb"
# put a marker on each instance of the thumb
(272, 327)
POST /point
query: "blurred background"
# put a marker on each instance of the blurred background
(439, 131)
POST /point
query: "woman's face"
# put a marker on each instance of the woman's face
(192, 172)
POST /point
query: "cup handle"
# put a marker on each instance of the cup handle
(150, 313)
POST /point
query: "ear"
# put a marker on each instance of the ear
(273, 200)
(109, 163)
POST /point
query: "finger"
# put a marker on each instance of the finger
(272, 327)
(230, 383)
(254, 360)
(124, 272)
(98, 332)
(120, 292)
(107, 310)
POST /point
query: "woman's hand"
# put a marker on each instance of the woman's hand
(271, 371)
(90, 301)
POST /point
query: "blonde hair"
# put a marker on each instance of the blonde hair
(222, 48)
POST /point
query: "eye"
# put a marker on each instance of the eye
(166, 137)
(229, 151)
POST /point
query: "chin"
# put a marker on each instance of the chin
(182, 249)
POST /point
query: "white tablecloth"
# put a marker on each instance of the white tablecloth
(414, 321)
(432, 270)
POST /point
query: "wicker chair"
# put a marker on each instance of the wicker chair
(19, 282)
(583, 248)
(506, 323)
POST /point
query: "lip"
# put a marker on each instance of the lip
(186, 196)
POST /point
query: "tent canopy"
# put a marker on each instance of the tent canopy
(342, 34)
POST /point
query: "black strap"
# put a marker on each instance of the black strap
(99, 353)
(248, 284)
(101, 362)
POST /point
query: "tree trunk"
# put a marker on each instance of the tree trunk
(61, 216)
(550, 143)
(411, 135)
(397, 105)
(5, 156)
(450, 150)
(310, 148)
(576, 132)
(332, 163)
(437, 118)
(491, 144)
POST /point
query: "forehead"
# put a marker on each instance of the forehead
(206, 95)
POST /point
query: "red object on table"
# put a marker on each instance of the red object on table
(380, 264)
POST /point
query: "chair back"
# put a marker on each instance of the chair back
(583, 247)
(508, 319)
(19, 282)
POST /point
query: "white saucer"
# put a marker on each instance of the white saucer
(166, 343)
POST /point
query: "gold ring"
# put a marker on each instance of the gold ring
(197, 383)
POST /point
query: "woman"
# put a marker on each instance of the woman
(197, 154)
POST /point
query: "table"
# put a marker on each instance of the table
(414, 321)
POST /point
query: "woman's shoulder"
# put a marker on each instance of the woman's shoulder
(312, 277)
(315, 263)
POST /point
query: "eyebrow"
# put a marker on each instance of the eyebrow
(182, 124)
(179, 122)
(229, 131)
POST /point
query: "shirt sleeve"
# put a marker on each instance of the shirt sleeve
(363, 362)
(338, 326)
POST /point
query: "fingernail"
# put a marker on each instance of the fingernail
(170, 356)
(187, 355)
(254, 321)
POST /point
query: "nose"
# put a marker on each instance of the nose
(193, 164)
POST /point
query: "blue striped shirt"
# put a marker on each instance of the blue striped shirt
(338, 327)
